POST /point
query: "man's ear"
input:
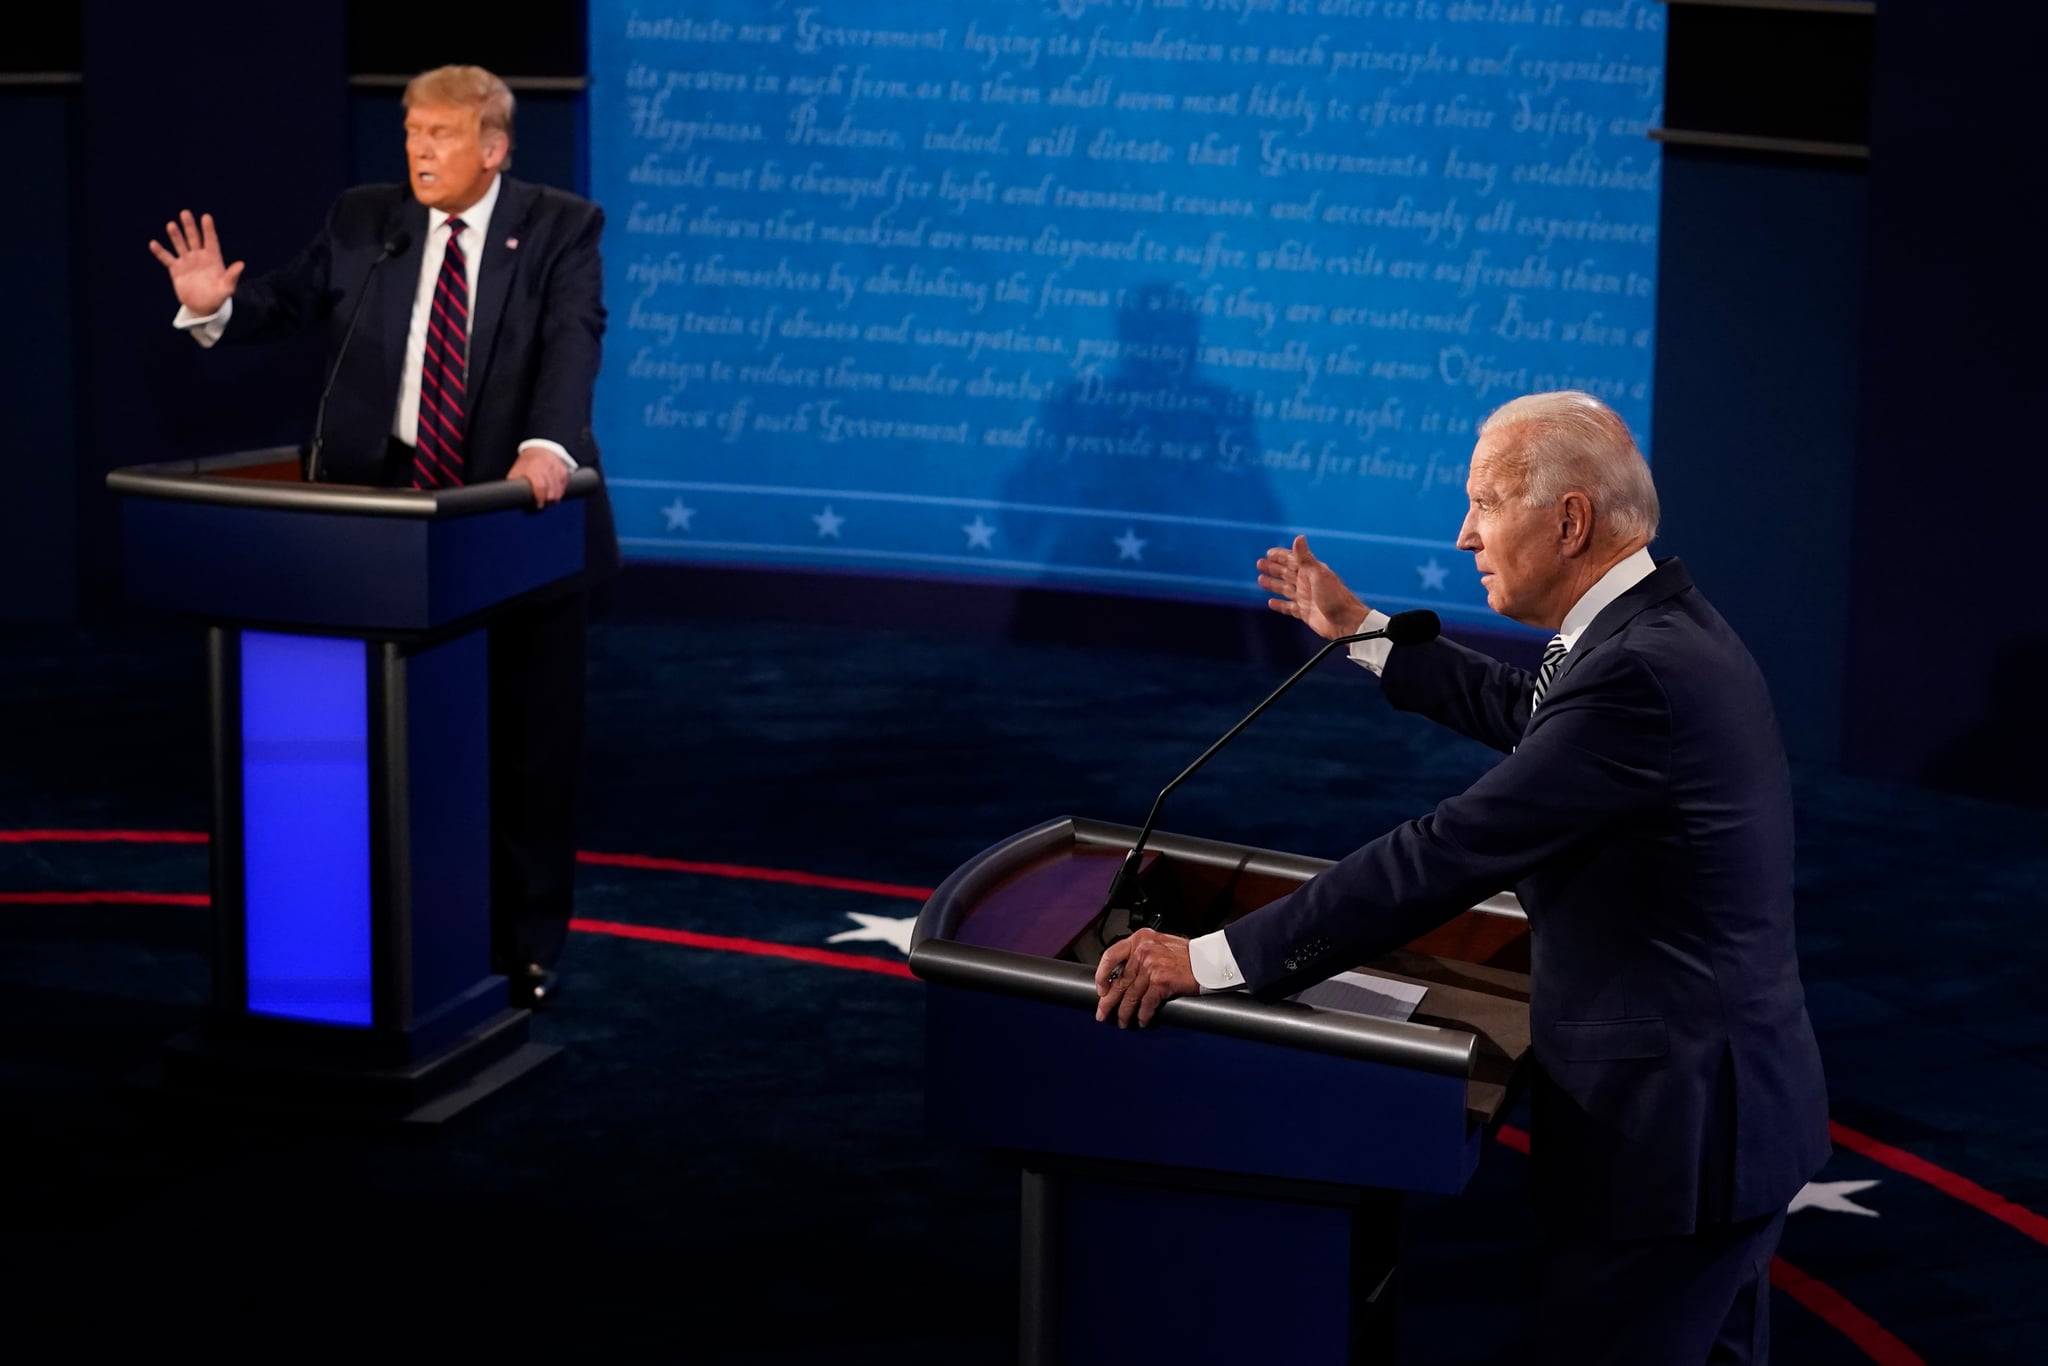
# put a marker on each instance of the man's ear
(496, 147)
(1575, 523)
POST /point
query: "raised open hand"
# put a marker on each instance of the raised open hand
(1309, 591)
(202, 283)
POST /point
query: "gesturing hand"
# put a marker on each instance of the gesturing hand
(194, 261)
(1310, 591)
(1140, 974)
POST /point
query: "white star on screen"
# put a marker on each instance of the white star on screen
(678, 515)
(1129, 546)
(828, 522)
(884, 928)
(1432, 575)
(1832, 1196)
(980, 535)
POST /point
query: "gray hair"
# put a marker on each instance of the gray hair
(1570, 440)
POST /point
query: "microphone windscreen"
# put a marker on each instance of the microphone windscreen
(397, 244)
(1413, 628)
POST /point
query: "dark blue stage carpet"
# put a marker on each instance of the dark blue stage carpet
(730, 1162)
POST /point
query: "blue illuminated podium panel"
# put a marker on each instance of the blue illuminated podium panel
(348, 657)
(305, 778)
(1262, 1146)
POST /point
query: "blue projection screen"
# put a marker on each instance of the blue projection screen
(1108, 294)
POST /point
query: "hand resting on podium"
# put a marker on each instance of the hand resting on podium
(546, 471)
(1138, 975)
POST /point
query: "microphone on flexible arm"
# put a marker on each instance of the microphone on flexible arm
(1126, 891)
(397, 244)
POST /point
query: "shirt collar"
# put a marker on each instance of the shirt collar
(1617, 580)
(476, 218)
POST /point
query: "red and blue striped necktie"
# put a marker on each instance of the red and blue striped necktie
(438, 459)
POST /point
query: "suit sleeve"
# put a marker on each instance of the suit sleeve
(1600, 751)
(1474, 694)
(571, 340)
(281, 302)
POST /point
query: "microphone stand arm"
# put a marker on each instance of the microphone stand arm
(311, 473)
(1125, 891)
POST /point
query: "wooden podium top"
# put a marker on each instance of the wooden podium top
(1026, 917)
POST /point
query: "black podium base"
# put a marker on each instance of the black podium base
(252, 1069)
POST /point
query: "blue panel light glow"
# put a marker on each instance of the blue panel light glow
(306, 827)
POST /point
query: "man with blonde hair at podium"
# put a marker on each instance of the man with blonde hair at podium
(465, 314)
(1643, 813)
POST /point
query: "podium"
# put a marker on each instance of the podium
(351, 855)
(1224, 1186)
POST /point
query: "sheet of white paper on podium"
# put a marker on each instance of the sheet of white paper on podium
(1362, 993)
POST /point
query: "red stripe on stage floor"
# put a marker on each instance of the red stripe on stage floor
(1508, 1136)
(1943, 1180)
(758, 947)
(737, 870)
(103, 899)
(791, 877)
(1827, 1303)
(102, 837)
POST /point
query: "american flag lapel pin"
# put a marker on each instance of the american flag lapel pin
(511, 244)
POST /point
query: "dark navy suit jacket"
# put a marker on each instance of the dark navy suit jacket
(1645, 821)
(536, 330)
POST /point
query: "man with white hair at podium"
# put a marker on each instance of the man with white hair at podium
(1643, 814)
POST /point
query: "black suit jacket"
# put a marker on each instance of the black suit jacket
(1645, 820)
(536, 331)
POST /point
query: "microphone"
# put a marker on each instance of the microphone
(1126, 892)
(397, 244)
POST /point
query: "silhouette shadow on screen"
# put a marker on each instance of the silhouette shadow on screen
(1133, 470)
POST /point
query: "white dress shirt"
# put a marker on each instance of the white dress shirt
(1215, 966)
(476, 230)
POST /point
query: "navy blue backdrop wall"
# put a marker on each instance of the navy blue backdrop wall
(1761, 297)
(1948, 635)
(213, 121)
(39, 124)
(1842, 386)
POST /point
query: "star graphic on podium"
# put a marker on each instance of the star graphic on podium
(1832, 1196)
(678, 515)
(1129, 546)
(828, 522)
(1432, 575)
(980, 535)
(887, 929)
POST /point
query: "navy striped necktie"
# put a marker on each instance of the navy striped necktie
(438, 458)
(1553, 658)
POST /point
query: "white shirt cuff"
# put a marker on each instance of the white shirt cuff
(554, 446)
(1215, 966)
(1373, 653)
(206, 331)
